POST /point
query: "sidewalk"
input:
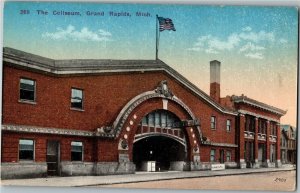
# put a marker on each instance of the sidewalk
(131, 178)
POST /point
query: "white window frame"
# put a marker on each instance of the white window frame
(213, 122)
(82, 99)
(82, 151)
(228, 121)
(34, 91)
(33, 156)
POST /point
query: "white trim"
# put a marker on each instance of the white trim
(45, 130)
(219, 144)
(262, 106)
(139, 137)
(165, 104)
(258, 115)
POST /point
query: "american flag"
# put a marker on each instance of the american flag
(165, 24)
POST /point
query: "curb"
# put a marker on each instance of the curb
(189, 177)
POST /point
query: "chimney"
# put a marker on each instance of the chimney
(215, 80)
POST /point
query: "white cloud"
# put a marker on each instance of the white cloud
(257, 37)
(283, 41)
(248, 28)
(84, 34)
(211, 51)
(232, 41)
(251, 47)
(255, 55)
(194, 49)
(213, 45)
(104, 33)
(252, 43)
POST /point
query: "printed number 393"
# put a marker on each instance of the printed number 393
(24, 11)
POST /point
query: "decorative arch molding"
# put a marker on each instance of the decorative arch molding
(162, 91)
(143, 136)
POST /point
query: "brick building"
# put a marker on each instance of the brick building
(288, 144)
(97, 117)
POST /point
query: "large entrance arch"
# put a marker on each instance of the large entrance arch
(161, 141)
(165, 152)
(127, 123)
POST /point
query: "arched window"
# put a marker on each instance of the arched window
(160, 118)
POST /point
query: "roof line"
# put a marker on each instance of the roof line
(245, 99)
(62, 67)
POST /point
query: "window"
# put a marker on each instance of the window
(163, 119)
(171, 120)
(151, 119)
(228, 156)
(262, 126)
(144, 121)
(212, 155)
(157, 119)
(213, 122)
(160, 118)
(228, 125)
(76, 151)
(250, 123)
(77, 99)
(27, 89)
(26, 149)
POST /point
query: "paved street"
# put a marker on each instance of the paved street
(276, 181)
(229, 178)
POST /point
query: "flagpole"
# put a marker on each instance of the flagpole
(156, 50)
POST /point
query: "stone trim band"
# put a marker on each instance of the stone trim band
(46, 130)
(218, 144)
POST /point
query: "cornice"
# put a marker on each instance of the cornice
(257, 104)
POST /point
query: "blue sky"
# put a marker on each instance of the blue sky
(256, 45)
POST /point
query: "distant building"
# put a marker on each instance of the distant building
(288, 144)
(98, 117)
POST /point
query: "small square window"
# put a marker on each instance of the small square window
(26, 149)
(27, 89)
(76, 151)
(212, 155)
(228, 125)
(213, 122)
(77, 99)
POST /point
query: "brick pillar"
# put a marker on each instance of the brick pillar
(278, 151)
(256, 165)
(268, 144)
(242, 140)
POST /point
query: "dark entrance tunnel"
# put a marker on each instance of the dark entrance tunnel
(161, 149)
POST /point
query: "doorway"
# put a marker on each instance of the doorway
(221, 155)
(249, 153)
(159, 150)
(52, 158)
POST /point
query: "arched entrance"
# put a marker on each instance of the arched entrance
(160, 143)
(128, 126)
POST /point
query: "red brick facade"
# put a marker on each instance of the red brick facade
(104, 97)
